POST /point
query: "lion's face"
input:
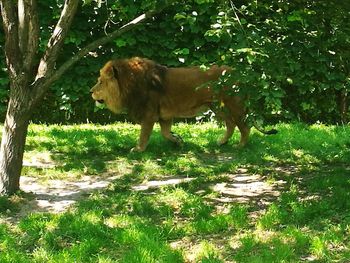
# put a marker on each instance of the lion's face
(106, 90)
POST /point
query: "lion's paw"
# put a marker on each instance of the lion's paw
(177, 139)
(137, 149)
(222, 141)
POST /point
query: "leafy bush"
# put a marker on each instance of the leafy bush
(289, 58)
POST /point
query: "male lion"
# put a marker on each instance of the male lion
(151, 93)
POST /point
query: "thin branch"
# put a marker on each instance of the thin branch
(234, 8)
(103, 40)
(42, 84)
(96, 44)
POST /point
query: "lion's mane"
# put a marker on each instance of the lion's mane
(140, 85)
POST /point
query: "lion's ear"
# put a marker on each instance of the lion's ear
(109, 70)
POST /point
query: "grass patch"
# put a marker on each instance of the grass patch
(283, 198)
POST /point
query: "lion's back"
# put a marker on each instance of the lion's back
(185, 92)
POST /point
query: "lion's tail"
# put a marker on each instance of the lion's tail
(262, 130)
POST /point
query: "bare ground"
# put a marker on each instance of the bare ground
(56, 196)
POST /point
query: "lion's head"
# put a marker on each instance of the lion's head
(107, 90)
(129, 84)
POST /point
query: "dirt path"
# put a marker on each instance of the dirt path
(56, 196)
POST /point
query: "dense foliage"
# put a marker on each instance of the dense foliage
(290, 57)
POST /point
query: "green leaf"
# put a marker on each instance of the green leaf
(185, 51)
(295, 16)
(250, 58)
(120, 42)
(290, 81)
(180, 16)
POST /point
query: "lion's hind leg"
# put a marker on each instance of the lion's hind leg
(225, 115)
(245, 131)
(165, 129)
(230, 128)
(235, 112)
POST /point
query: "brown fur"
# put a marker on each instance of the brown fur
(151, 93)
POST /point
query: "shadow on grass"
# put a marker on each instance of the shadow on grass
(84, 150)
(89, 150)
(281, 199)
(302, 214)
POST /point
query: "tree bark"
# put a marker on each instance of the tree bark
(22, 37)
(13, 140)
(343, 105)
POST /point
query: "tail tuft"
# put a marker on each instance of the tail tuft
(269, 132)
(272, 131)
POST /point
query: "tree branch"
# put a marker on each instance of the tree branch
(42, 84)
(28, 32)
(47, 63)
(12, 50)
(103, 40)
(23, 23)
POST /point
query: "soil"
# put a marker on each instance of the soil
(57, 196)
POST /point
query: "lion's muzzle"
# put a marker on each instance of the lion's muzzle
(95, 96)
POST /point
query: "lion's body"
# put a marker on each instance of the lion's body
(183, 96)
(154, 93)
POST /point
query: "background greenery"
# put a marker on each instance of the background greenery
(291, 57)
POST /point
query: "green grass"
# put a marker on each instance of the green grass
(299, 211)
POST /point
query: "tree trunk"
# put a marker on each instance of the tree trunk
(343, 105)
(13, 141)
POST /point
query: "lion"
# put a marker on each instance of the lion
(152, 93)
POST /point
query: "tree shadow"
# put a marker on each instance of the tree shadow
(86, 150)
(207, 192)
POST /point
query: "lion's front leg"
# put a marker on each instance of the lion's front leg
(165, 129)
(146, 130)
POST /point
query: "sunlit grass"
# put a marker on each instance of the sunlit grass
(302, 214)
